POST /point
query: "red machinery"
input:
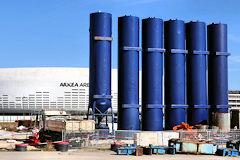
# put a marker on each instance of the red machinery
(34, 140)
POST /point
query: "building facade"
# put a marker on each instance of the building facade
(30, 90)
(234, 102)
(234, 99)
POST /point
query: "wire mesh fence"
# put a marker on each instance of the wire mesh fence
(101, 138)
(217, 136)
(83, 139)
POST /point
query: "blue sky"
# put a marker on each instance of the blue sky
(54, 33)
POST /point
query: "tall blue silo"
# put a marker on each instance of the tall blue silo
(218, 75)
(196, 73)
(174, 36)
(128, 73)
(100, 67)
(152, 74)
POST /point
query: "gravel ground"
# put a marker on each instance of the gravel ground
(100, 155)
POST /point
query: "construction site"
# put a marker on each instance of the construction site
(175, 106)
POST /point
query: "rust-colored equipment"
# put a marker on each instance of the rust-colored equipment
(183, 126)
(192, 131)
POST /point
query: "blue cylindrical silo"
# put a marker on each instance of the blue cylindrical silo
(152, 74)
(196, 73)
(174, 36)
(128, 73)
(100, 62)
(218, 75)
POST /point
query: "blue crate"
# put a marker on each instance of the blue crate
(234, 152)
(225, 152)
(155, 149)
(127, 150)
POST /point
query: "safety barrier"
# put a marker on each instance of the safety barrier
(83, 139)
(217, 136)
(100, 138)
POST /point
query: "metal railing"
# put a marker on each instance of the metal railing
(83, 139)
(100, 138)
(217, 136)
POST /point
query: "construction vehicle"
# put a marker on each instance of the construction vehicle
(55, 123)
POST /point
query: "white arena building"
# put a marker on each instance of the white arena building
(30, 90)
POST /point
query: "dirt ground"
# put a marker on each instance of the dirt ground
(10, 125)
(100, 155)
(8, 135)
(11, 135)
